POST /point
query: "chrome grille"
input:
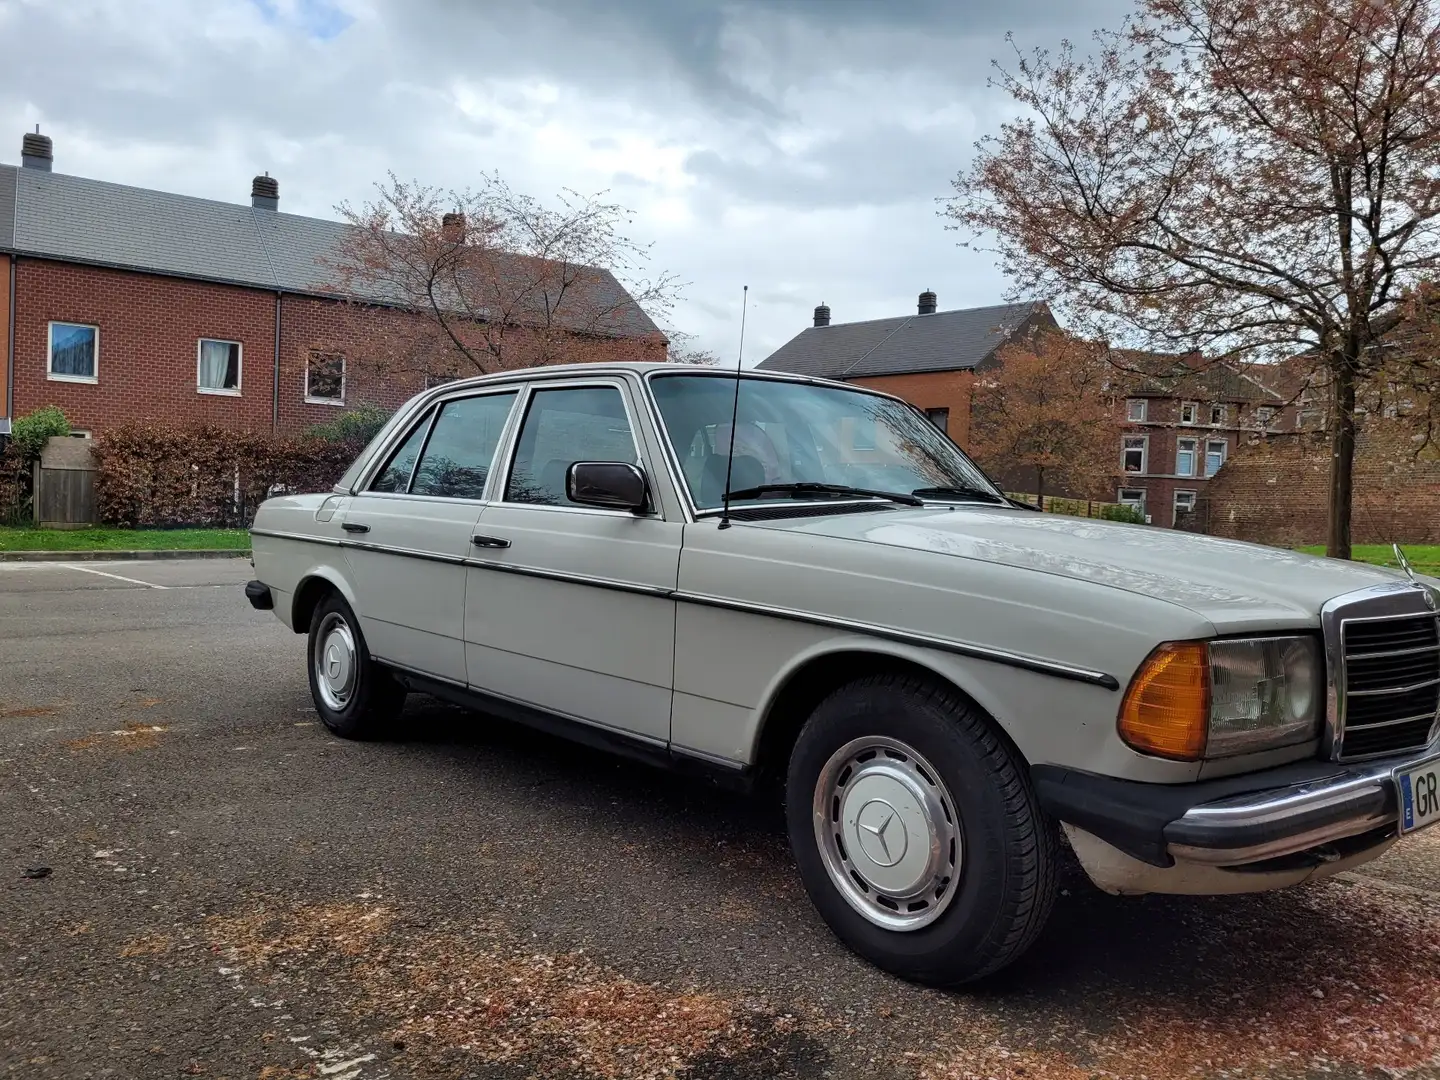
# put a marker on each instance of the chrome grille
(1390, 683)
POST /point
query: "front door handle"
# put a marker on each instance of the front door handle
(489, 542)
(355, 527)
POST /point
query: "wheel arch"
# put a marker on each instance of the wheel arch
(812, 677)
(313, 587)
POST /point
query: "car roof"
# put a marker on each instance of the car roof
(635, 367)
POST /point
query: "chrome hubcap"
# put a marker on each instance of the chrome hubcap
(888, 833)
(335, 666)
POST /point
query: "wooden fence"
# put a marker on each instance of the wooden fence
(64, 485)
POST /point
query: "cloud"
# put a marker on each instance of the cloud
(797, 146)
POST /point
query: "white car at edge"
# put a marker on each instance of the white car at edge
(942, 682)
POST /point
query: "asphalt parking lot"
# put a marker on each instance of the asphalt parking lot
(200, 881)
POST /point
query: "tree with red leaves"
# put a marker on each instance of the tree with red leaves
(1231, 177)
(1045, 413)
(503, 280)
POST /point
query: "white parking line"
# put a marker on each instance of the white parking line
(117, 577)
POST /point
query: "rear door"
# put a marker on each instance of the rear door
(407, 536)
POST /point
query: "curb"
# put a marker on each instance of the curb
(122, 556)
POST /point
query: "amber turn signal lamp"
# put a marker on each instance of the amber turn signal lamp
(1166, 711)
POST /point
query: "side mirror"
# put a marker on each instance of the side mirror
(613, 485)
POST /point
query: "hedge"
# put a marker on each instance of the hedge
(158, 475)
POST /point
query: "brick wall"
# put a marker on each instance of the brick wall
(1276, 490)
(149, 332)
(4, 334)
(150, 326)
(932, 390)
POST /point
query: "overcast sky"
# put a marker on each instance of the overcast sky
(797, 146)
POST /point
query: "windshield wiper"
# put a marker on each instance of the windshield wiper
(960, 492)
(825, 489)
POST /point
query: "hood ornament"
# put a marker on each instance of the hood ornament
(1425, 590)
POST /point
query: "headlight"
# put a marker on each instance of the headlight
(1195, 699)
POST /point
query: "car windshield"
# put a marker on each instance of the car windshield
(798, 433)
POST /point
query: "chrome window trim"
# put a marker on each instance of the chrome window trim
(681, 483)
(1392, 600)
(406, 422)
(578, 382)
(306, 538)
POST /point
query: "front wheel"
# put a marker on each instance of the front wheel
(916, 831)
(354, 696)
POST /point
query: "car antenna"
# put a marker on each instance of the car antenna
(734, 412)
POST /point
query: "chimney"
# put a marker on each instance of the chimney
(36, 150)
(927, 303)
(822, 314)
(452, 227)
(265, 193)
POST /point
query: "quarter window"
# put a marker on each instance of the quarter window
(461, 448)
(395, 477)
(74, 352)
(1134, 453)
(218, 367)
(1214, 456)
(1185, 457)
(325, 378)
(563, 426)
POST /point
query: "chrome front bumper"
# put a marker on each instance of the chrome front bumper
(1312, 810)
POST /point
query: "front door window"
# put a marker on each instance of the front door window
(563, 426)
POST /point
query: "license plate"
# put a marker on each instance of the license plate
(1419, 795)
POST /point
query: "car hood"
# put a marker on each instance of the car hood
(1235, 585)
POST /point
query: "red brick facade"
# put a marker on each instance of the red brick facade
(948, 390)
(149, 328)
(1207, 439)
(1276, 490)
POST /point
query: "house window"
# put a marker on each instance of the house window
(217, 367)
(325, 378)
(74, 352)
(1214, 456)
(1135, 410)
(1132, 497)
(1264, 414)
(939, 417)
(1184, 503)
(1135, 447)
(1185, 457)
(1217, 414)
(1188, 411)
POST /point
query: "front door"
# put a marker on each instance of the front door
(569, 607)
(407, 536)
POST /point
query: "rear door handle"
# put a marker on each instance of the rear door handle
(489, 542)
(355, 527)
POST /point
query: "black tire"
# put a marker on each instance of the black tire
(1007, 879)
(374, 698)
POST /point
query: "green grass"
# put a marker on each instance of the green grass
(104, 539)
(1425, 558)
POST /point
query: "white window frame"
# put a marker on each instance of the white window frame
(344, 374)
(1224, 455)
(1138, 502)
(1175, 506)
(239, 367)
(1194, 409)
(92, 378)
(1264, 415)
(1194, 454)
(1131, 410)
(1144, 441)
(1224, 414)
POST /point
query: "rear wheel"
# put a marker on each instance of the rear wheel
(917, 834)
(354, 696)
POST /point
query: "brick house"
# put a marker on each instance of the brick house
(1181, 419)
(121, 303)
(928, 358)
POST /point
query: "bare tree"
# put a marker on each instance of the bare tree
(1231, 177)
(683, 350)
(504, 280)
